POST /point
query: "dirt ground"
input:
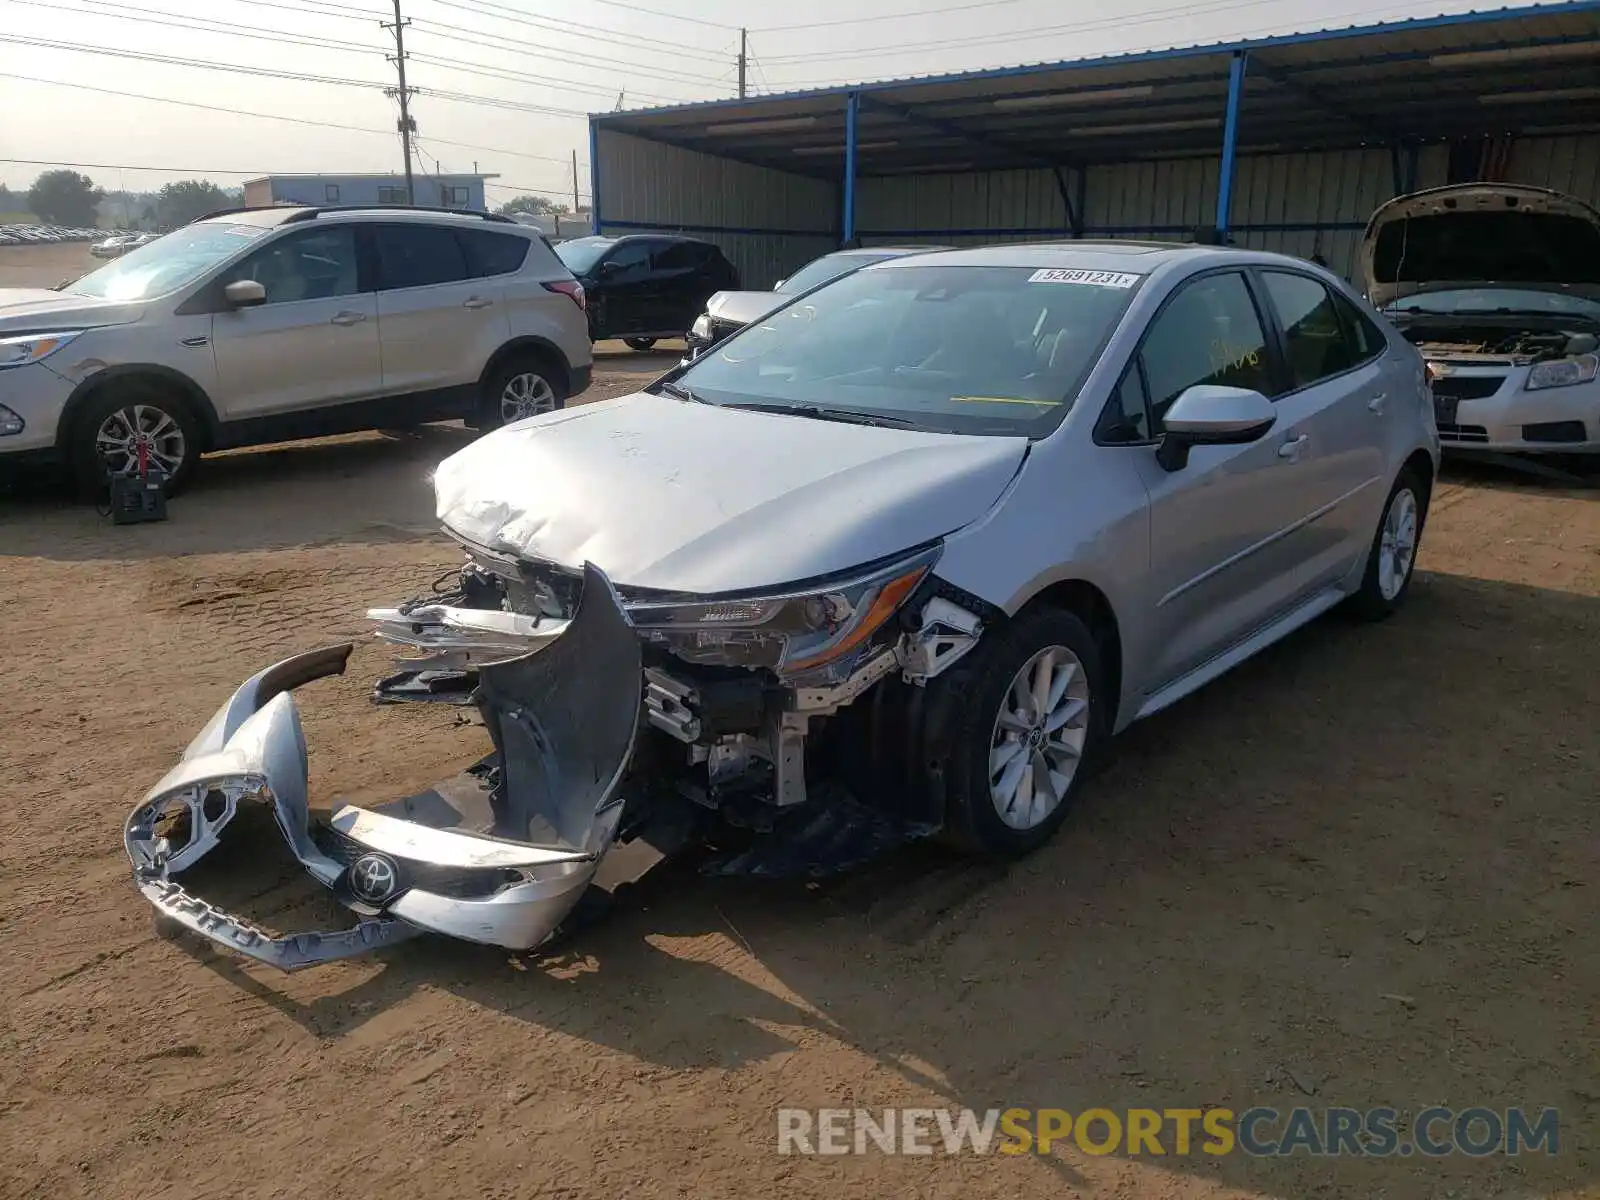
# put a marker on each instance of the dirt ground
(1359, 871)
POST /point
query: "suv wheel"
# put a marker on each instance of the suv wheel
(642, 345)
(524, 387)
(112, 428)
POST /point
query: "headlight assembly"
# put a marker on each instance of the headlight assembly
(701, 328)
(1563, 372)
(30, 348)
(789, 632)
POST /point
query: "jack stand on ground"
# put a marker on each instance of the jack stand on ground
(141, 496)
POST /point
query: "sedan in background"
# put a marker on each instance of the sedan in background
(728, 312)
(642, 288)
(1498, 285)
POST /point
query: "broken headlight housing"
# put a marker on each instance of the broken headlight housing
(810, 628)
(1563, 372)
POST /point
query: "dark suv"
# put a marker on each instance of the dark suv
(642, 287)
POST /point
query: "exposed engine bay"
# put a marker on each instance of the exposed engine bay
(1498, 340)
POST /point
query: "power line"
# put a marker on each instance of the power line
(496, 102)
(541, 50)
(196, 171)
(499, 12)
(510, 76)
(240, 112)
(227, 28)
(171, 60)
(656, 12)
(896, 16)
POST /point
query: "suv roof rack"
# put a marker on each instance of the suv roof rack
(310, 212)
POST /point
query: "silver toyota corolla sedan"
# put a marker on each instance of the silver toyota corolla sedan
(895, 560)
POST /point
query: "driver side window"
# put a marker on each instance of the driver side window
(1210, 333)
(315, 265)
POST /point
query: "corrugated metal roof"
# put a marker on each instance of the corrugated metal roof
(1501, 71)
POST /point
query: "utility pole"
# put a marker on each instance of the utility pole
(575, 204)
(744, 58)
(406, 125)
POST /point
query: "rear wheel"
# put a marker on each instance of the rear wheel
(1393, 555)
(524, 387)
(116, 426)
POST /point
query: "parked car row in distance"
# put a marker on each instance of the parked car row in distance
(28, 235)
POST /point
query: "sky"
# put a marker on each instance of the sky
(530, 70)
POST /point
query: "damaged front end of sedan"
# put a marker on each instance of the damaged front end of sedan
(627, 726)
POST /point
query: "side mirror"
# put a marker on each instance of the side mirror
(1208, 415)
(244, 293)
(608, 269)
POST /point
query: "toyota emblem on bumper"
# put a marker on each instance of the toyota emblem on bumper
(373, 878)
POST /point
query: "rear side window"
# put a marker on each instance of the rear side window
(1367, 337)
(490, 253)
(680, 256)
(1317, 343)
(1208, 333)
(417, 256)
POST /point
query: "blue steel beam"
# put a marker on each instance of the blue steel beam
(852, 112)
(594, 177)
(1230, 139)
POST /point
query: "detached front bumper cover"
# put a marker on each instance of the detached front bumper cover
(498, 855)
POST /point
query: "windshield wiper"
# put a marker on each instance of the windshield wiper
(678, 392)
(818, 412)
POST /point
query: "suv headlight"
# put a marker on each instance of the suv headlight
(31, 347)
(1563, 372)
(701, 328)
(791, 632)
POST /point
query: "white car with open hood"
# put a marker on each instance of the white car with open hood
(1498, 285)
(895, 560)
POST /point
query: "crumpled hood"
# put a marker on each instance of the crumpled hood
(741, 308)
(27, 310)
(685, 497)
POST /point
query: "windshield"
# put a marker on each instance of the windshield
(168, 263)
(818, 272)
(951, 349)
(1458, 301)
(581, 254)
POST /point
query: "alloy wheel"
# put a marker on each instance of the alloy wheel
(1397, 547)
(127, 429)
(1038, 737)
(526, 395)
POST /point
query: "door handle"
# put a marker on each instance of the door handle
(1291, 449)
(1378, 403)
(348, 318)
(476, 302)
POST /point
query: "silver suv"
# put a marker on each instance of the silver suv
(263, 325)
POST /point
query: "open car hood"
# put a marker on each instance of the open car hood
(681, 497)
(1480, 233)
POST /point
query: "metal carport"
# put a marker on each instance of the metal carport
(1287, 142)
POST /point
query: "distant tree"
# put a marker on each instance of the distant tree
(64, 198)
(538, 205)
(187, 200)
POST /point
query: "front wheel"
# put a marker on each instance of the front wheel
(642, 345)
(1393, 555)
(122, 428)
(1033, 710)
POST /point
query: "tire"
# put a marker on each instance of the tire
(979, 695)
(162, 415)
(642, 345)
(546, 387)
(1381, 591)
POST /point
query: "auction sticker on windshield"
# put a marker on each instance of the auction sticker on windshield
(1111, 279)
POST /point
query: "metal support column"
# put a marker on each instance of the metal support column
(851, 112)
(1230, 139)
(594, 178)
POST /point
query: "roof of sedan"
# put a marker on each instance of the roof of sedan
(1082, 254)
